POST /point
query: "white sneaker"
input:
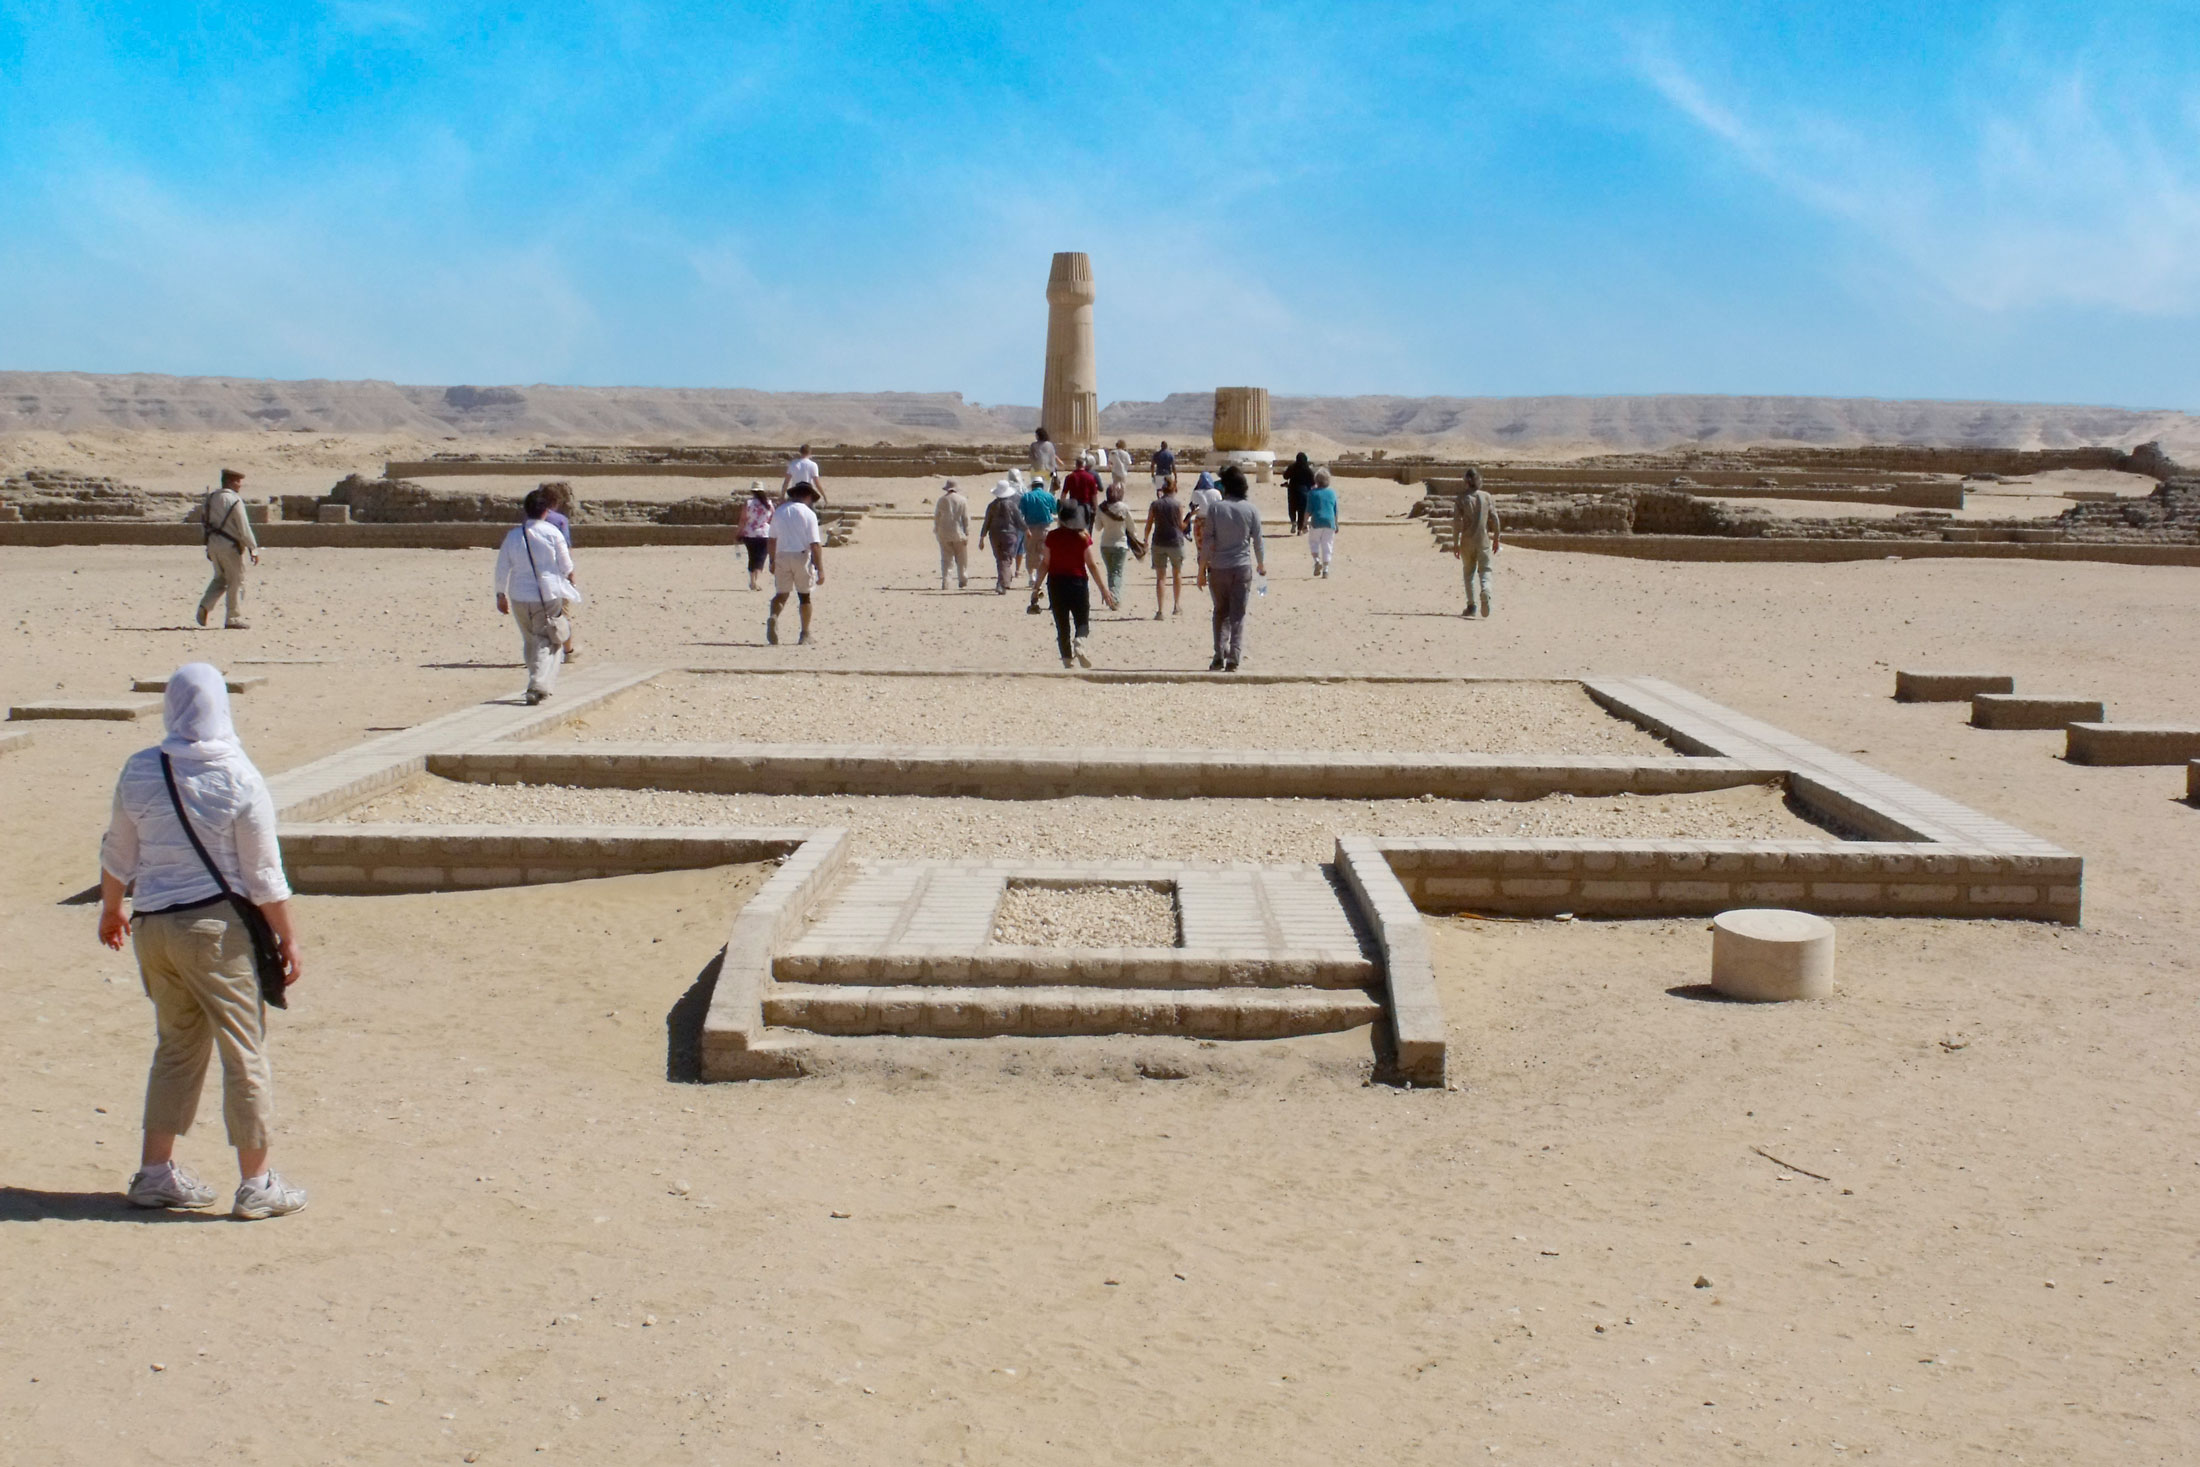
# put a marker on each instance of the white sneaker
(273, 1197)
(1077, 650)
(177, 1189)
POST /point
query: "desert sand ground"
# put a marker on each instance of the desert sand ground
(527, 1243)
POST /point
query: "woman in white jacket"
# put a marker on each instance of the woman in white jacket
(193, 950)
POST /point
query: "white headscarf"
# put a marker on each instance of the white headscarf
(1016, 480)
(196, 711)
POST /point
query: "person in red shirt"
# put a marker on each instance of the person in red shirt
(1083, 485)
(1073, 569)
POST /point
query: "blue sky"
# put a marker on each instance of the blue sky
(1946, 200)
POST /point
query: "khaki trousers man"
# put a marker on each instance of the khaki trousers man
(197, 969)
(541, 645)
(229, 567)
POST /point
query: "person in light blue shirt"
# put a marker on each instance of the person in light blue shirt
(1321, 522)
(1036, 505)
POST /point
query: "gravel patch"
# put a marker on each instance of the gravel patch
(1087, 827)
(1046, 712)
(1100, 915)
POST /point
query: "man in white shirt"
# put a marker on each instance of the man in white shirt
(802, 471)
(797, 557)
(1119, 465)
(951, 527)
(534, 582)
(230, 543)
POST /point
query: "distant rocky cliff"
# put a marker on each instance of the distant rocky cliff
(1493, 426)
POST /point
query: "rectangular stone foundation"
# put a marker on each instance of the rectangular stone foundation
(1598, 878)
(2032, 711)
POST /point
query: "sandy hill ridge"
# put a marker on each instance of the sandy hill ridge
(68, 402)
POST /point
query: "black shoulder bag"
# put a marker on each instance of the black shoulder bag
(267, 954)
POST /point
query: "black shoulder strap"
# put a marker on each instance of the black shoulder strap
(206, 516)
(168, 776)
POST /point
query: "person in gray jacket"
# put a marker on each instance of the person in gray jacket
(230, 545)
(1235, 554)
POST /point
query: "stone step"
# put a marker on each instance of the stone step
(1004, 965)
(2132, 743)
(969, 1013)
(2034, 710)
(1949, 687)
(102, 709)
(235, 682)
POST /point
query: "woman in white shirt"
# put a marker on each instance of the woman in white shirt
(193, 950)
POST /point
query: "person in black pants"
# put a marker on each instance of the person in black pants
(1297, 479)
(1073, 569)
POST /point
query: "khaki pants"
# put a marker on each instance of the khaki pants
(539, 645)
(1474, 563)
(197, 969)
(229, 567)
(955, 554)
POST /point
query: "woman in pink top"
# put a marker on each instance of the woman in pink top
(756, 528)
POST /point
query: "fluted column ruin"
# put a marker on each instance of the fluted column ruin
(1069, 402)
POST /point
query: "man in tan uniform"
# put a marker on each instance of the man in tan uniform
(1476, 533)
(951, 527)
(230, 543)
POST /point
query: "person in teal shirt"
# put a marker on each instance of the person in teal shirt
(1036, 505)
(1321, 521)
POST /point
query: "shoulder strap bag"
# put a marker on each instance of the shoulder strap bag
(267, 954)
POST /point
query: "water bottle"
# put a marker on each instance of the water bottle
(1262, 586)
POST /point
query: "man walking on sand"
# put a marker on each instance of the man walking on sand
(1046, 459)
(1037, 506)
(1164, 463)
(230, 544)
(534, 584)
(803, 471)
(1476, 533)
(951, 527)
(797, 558)
(1119, 466)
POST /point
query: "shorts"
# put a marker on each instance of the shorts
(758, 547)
(793, 573)
(1166, 556)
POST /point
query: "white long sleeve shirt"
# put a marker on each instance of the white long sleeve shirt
(232, 812)
(549, 579)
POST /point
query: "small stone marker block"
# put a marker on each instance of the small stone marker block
(12, 739)
(119, 710)
(2132, 743)
(1766, 955)
(333, 514)
(1949, 687)
(2033, 710)
(236, 683)
(2192, 780)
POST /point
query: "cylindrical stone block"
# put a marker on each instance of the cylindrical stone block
(1766, 955)
(1241, 419)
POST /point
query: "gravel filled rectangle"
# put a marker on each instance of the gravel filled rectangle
(1043, 712)
(1089, 828)
(1040, 914)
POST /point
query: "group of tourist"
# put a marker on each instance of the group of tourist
(1066, 532)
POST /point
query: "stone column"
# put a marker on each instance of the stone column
(1241, 428)
(1069, 403)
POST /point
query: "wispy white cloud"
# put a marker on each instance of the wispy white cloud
(2050, 196)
